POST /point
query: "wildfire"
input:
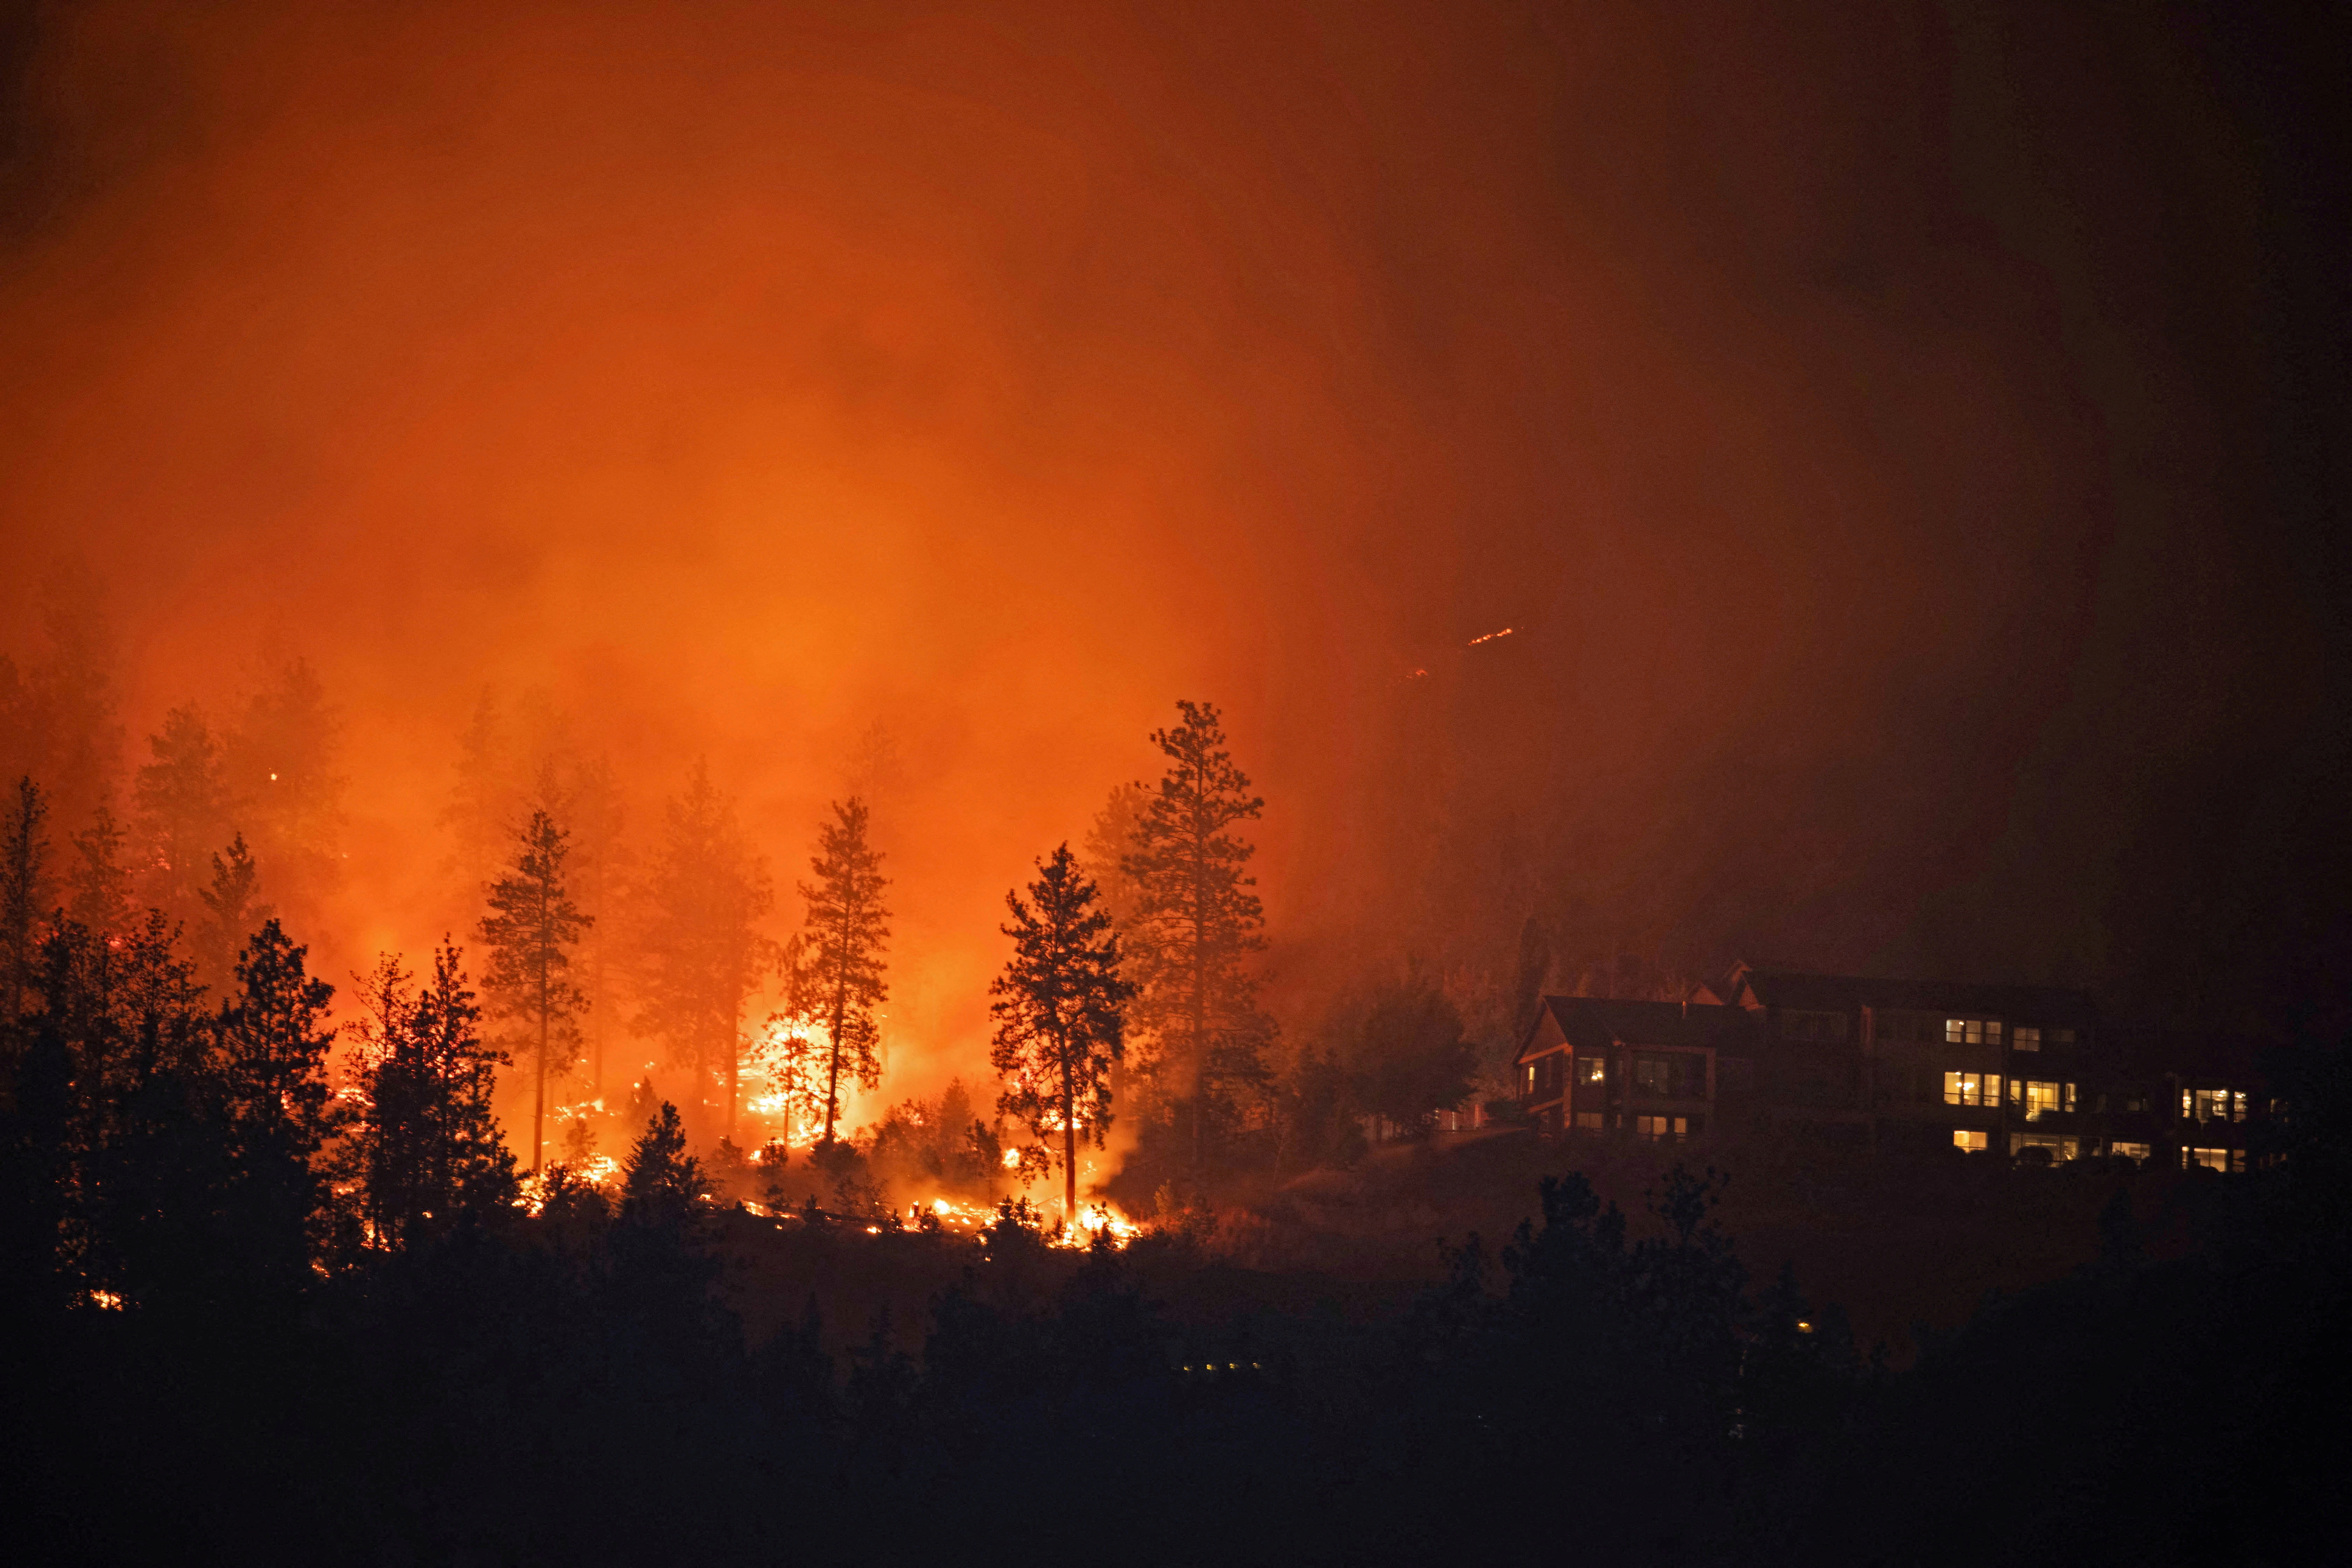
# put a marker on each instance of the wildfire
(1099, 1220)
(1095, 1219)
(1490, 636)
(597, 1171)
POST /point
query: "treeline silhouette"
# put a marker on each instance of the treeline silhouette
(600, 942)
(249, 1316)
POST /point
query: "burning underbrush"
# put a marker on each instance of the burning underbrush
(1098, 1224)
(927, 1167)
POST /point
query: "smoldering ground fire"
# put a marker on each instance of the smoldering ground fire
(1594, 592)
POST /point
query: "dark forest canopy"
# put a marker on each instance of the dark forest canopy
(248, 1316)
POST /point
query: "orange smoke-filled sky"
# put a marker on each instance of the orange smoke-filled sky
(1800, 380)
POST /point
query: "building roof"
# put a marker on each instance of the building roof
(2193, 1053)
(1593, 1023)
(1845, 992)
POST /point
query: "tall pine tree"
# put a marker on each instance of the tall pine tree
(181, 811)
(1195, 921)
(846, 947)
(280, 1113)
(428, 1154)
(24, 898)
(1110, 839)
(1059, 1011)
(530, 931)
(98, 881)
(232, 912)
(702, 949)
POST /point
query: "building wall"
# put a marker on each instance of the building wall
(2019, 1072)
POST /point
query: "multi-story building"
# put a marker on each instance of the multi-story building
(2026, 1071)
(1914, 1063)
(1648, 1070)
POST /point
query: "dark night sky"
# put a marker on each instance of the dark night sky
(1908, 440)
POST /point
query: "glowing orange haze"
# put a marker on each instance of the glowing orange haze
(746, 375)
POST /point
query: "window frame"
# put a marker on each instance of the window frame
(1985, 1088)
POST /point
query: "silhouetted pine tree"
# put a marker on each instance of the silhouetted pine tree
(427, 1150)
(702, 950)
(24, 898)
(662, 1264)
(1110, 839)
(1196, 919)
(181, 808)
(846, 948)
(97, 881)
(1059, 1011)
(232, 912)
(280, 1110)
(530, 930)
(149, 1142)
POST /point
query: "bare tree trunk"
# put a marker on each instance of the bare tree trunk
(832, 1068)
(1069, 1144)
(1200, 1013)
(539, 1104)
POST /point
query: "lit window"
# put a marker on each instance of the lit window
(1971, 1143)
(2058, 1148)
(1527, 1081)
(1587, 1121)
(2133, 1102)
(2214, 1104)
(2025, 1039)
(1592, 1069)
(1655, 1129)
(2214, 1158)
(2129, 1151)
(2042, 1097)
(1972, 1088)
(1972, 1031)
